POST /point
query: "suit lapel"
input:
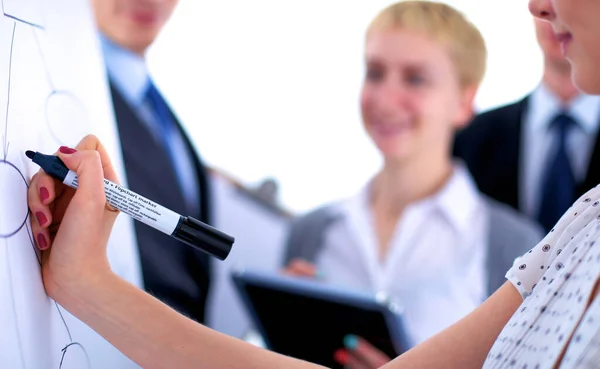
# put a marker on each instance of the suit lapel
(200, 171)
(508, 162)
(141, 151)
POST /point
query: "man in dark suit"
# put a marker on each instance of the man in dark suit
(160, 162)
(542, 147)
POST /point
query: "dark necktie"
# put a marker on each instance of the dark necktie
(162, 117)
(167, 133)
(558, 183)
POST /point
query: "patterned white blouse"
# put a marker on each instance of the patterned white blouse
(556, 279)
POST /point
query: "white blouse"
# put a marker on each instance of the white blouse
(439, 242)
(556, 279)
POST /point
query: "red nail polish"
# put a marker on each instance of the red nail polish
(41, 218)
(66, 150)
(42, 243)
(341, 356)
(44, 194)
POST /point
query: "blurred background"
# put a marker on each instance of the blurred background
(269, 88)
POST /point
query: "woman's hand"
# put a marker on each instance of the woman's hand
(360, 354)
(72, 227)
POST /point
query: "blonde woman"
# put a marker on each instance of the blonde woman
(419, 230)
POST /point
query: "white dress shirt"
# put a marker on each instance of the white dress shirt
(129, 73)
(435, 267)
(538, 139)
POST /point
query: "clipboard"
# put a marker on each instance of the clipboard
(308, 319)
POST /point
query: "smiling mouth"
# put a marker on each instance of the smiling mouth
(387, 129)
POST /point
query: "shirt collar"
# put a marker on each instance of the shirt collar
(127, 70)
(458, 200)
(544, 105)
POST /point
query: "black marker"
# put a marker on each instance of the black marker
(186, 229)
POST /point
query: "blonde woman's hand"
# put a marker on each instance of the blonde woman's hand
(360, 354)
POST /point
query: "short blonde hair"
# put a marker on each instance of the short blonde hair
(444, 24)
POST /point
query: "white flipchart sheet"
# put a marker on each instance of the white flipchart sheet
(53, 91)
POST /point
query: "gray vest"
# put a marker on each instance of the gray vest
(511, 234)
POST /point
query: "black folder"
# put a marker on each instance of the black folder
(308, 319)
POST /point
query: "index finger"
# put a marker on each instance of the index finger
(91, 142)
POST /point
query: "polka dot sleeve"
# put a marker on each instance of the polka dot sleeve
(529, 268)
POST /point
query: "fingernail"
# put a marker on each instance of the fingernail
(66, 150)
(341, 356)
(41, 218)
(42, 243)
(350, 341)
(44, 194)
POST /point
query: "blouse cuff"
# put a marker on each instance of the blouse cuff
(518, 283)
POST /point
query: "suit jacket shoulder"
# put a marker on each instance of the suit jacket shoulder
(490, 147)
(494, 126)
(306, 236)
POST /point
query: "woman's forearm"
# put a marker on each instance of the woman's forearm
(155, 336)
(465, 344)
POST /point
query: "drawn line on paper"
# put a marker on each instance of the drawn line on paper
(72, 343)
(63, 320)
(12, 42)
(73, 101)
(23, 21)
(57, 95)
(22, 224)
(19, 19)
(64, 352)
(58, 309)
(4, 161)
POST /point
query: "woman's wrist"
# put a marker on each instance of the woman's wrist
(77, 285)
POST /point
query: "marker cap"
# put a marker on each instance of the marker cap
(204, 237)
